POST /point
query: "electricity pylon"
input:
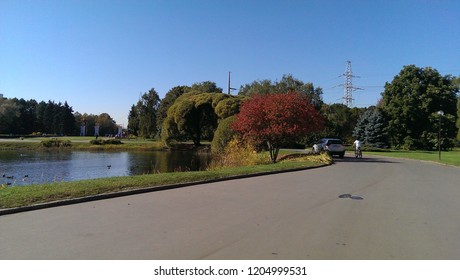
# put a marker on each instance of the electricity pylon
(348, 87)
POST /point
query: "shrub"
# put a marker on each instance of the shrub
(56, 143)
(96, 142)
(238, 153)
(222, 136)
(105, 142)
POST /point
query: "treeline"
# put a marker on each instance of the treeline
(407, 117)
(194, 112)
(27, 117)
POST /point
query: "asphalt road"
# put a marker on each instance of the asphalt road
(375, 208)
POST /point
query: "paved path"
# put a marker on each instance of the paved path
(396, 209)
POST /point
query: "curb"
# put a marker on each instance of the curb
(7, 211)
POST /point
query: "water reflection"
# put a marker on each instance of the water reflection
(25, 168)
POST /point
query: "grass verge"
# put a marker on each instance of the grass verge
(447, 157)
(11, 197)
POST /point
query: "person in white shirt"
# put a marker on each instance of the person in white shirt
(357, 144)
(316, 149)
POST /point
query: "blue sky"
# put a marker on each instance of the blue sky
(99, 55)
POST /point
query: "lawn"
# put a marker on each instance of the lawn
(447, 157)
(79, 143)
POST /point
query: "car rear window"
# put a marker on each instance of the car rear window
(334, 141)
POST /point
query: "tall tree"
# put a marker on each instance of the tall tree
(359, 132)
(371, 128)
(69, 119)
(456, 82)
(133, 120)
(9, 110)
(106, 124)
(288, 83)
(48, 118)
(40, 117)
(142, 119)
(206, 86)
(168, 101)
(277, 119)
(340, 121)
(411, 102)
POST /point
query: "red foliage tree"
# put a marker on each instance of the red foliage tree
(277, 119)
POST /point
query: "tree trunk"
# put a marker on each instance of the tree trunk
(274, 150)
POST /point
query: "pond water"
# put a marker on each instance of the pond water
(25, 168)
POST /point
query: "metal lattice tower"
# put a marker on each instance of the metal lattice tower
(348, 87)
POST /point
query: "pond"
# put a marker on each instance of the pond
(25, 168)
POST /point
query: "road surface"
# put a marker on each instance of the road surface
(375, 208)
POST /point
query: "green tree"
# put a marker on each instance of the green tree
(410, 103)
(133, 120)
(9, 110)
(206, 86)
(456, 82)
(458, 119)
(340, 121)
(288, 83)
(68, 120)
(24, 122)
(40, 117)
(222, 135)
(168, 101)
(359, 131)
(193, 117)
(257, 87)
(88, 120)
(375, 134)
(107, 125)
(142, 119)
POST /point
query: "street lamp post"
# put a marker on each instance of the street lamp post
(440, 113)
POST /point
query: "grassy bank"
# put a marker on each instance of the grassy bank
(79, 143)
(29, 195)
(447, 157)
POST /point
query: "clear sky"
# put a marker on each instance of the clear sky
(99, 55)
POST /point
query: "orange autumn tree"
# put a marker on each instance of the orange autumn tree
(277, 119)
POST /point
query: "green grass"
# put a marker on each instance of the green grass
(29, 195)
(79, 143)
(447, 157)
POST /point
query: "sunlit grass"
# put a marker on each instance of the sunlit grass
(80, 143)
(447, 157)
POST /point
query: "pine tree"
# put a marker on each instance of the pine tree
(360, 128)
(375, 134)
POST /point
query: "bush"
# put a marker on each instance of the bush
(105, 142)
(222, 136)
(56, 143)
(237, 153)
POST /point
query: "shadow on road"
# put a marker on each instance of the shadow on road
(354, 197)
(363, 160)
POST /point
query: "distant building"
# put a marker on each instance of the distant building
(1, 95)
